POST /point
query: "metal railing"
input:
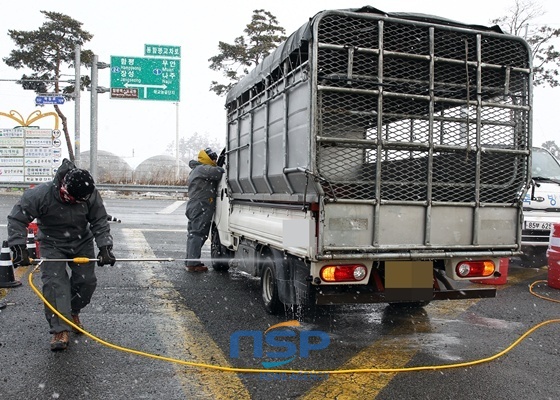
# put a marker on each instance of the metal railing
(179, 190)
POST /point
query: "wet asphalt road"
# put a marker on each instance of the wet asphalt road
(156, 309)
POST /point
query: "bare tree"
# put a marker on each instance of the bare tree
(546, 59)
(189, 147)
(552, 147)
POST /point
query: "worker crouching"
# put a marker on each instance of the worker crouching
(70, 216)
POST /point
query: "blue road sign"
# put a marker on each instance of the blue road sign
(40, 100)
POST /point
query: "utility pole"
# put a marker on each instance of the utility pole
(77, 87)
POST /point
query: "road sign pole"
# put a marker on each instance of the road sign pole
(177, 169)
(93, 121)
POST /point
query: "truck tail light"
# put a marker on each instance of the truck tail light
(475, 269)
(343, 273)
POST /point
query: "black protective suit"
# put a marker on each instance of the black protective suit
(65, 231)
(202, 186)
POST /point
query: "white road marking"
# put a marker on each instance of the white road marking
(169, 209)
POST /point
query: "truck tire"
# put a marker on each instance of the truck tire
(410, 304)
(534, 257)
(269, 288)
(220, 254)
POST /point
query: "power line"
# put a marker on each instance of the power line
(36, 80)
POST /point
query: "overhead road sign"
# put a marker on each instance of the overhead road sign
(162, 50)
(154, 78)
(41, 100)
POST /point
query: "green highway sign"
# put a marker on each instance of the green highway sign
(153, 78)
(162, 50)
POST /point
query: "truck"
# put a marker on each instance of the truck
(541, 207)
(376, 157)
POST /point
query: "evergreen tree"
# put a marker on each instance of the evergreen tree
(48, 52)
(261, 36)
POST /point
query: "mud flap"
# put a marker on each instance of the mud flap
(284, 280)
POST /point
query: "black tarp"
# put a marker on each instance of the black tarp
(305, 32)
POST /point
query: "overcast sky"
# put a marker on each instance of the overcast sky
(122, 28)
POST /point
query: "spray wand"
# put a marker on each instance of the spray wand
(85, 260)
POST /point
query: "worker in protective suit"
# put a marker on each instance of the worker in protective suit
(202, 187)
(70, 215)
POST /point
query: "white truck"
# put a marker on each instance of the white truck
(541, 207)
(376, 158)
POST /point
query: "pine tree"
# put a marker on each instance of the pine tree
(48, 52)
(261, 36)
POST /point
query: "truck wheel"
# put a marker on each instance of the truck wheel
(269, 288)
(534, 258)
(410, 304)
(220, 254)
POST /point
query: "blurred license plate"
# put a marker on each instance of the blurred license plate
(545, 226)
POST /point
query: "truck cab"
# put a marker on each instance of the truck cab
(541, 207)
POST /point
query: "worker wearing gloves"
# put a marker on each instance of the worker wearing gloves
(202, 186)
(70, 216)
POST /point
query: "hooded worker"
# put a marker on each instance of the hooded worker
(70, 216)
(202, 187)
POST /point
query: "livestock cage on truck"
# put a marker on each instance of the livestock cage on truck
(405, 136)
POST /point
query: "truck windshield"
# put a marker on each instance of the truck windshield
(544, 165)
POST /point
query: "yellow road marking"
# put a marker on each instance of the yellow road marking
(391, 353)
(183, 334)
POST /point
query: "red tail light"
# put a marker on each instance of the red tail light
(475, 269)
(343, 273)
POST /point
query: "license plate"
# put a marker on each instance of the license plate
(544, 226)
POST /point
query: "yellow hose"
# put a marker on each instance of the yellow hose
(290, 371)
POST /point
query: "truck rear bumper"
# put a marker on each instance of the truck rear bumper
(403, 295)
(417, 255)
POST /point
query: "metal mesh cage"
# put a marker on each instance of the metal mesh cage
(419, 112)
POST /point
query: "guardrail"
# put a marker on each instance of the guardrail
(179, 190)
(143, 188)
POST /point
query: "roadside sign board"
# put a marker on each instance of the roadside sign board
(123, 93)
(153, 78)
(41, 100)
(29, 155)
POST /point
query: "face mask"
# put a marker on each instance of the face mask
(65, 196)
(68, 198)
